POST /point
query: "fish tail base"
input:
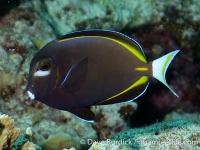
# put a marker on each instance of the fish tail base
(160, 65)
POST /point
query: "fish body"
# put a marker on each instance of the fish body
(94, 67)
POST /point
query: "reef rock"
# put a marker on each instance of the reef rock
(111, 119)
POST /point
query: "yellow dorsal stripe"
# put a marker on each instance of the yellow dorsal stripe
(141, 69)
(141, 81)
(132, 49)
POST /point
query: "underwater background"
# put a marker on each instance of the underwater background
(156, 120)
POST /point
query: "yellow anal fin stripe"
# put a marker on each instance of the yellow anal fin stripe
(141, 69)
(129, 47)
(141, 81)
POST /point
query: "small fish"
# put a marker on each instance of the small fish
(92, 67)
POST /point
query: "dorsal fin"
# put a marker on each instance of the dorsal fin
(131, 45)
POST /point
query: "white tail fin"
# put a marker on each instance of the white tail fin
(160, 65)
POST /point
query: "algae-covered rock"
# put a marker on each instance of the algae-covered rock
(195, 116)
(178, 134)
(170, 134)
(69, 15)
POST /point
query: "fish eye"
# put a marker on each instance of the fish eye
(45, 66)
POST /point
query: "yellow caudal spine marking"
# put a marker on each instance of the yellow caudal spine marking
(141, 69)
(166, 64)
(141, 81)
(132, 49)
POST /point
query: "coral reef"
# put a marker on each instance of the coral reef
(179, 134)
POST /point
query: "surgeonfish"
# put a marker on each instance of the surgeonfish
(92, 67)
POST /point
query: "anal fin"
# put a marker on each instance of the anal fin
(84, 114)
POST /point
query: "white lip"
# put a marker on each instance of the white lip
(31, 95)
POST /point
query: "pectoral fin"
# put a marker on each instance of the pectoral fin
(76, 75)
(84, 114)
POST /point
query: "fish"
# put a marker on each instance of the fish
(92, 67)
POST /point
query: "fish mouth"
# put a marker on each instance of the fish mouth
(29, 95)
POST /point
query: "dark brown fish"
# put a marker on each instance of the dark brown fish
(94, 67)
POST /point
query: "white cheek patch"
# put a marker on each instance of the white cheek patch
(31, 95)
(41, 73)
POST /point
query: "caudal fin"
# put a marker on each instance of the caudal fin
(159, 67)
